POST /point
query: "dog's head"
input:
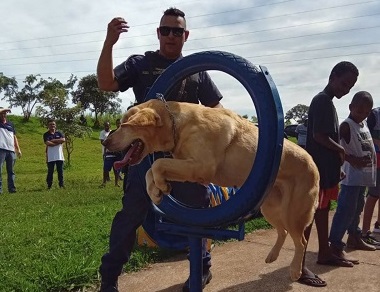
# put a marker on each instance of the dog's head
(144, 129)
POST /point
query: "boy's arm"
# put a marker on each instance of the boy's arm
(344, 132)
(357, 162)
(329, 143)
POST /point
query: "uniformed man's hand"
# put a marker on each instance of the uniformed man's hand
(117, 26)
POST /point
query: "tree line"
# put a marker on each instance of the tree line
(49, 98)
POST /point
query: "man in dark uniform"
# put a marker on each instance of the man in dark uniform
(139, 73)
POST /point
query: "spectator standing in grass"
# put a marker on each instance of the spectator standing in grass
(82, 120)
(102, 136)
(109, 159)
(53, 140)
(9, 147)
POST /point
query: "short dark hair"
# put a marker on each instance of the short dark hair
(50, 121)
(362, 97)
(344, 67)
(172, 11)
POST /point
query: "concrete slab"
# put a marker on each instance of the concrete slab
(241, 267)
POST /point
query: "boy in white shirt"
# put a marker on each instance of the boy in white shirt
(360, 172)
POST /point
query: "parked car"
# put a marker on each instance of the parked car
(290, 130)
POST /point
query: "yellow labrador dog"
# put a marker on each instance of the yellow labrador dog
(216, 145)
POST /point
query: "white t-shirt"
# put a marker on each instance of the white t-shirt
(7, 136)
(103, 135)
(360, 145)
(54, 153)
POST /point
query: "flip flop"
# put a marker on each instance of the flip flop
(312, 281)
(336, 262)
(355, 262)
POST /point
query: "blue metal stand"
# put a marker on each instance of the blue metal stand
(205, 223)
(196, 267)
(195, 235)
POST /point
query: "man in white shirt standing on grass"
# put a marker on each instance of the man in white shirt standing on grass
(53, 140)
(8, 149)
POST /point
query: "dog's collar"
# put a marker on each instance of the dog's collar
(160, 96)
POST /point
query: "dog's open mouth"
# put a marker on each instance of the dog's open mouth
(133, 154)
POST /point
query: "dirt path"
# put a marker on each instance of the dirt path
(240, 266)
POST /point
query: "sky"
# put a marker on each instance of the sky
(299, 41)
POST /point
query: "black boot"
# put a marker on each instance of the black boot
(206, 278)
(108, 286)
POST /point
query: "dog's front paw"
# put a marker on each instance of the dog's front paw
(157, 199)
(167, 189)
(154, 193)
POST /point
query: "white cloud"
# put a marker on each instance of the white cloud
(298, 41)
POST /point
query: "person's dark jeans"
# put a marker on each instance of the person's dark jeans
(136, 204)
(9, 158)
(49, 177)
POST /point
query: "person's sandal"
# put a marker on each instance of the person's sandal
(313, 281)
(337, 262)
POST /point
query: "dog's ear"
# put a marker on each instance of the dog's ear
(144, 117)
(129, 113)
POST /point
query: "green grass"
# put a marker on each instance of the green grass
(53, 240)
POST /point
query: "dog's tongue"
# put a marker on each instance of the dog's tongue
(119, 164)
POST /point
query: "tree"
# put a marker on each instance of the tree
(54, 106)
(97, 101)
(297, 113)
(27, 97)
(253, 118)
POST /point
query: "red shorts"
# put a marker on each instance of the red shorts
(327, 195)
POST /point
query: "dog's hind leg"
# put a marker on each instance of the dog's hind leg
(275, 251)
(296, 231)
(272, 211)
(303, 204)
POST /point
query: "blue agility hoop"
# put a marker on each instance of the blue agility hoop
(260, 86)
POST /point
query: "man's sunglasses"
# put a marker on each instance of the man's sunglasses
(177, 31)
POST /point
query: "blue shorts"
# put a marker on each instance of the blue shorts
(108, 162)
(375, 191)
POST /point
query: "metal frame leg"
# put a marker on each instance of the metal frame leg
(196, 267)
